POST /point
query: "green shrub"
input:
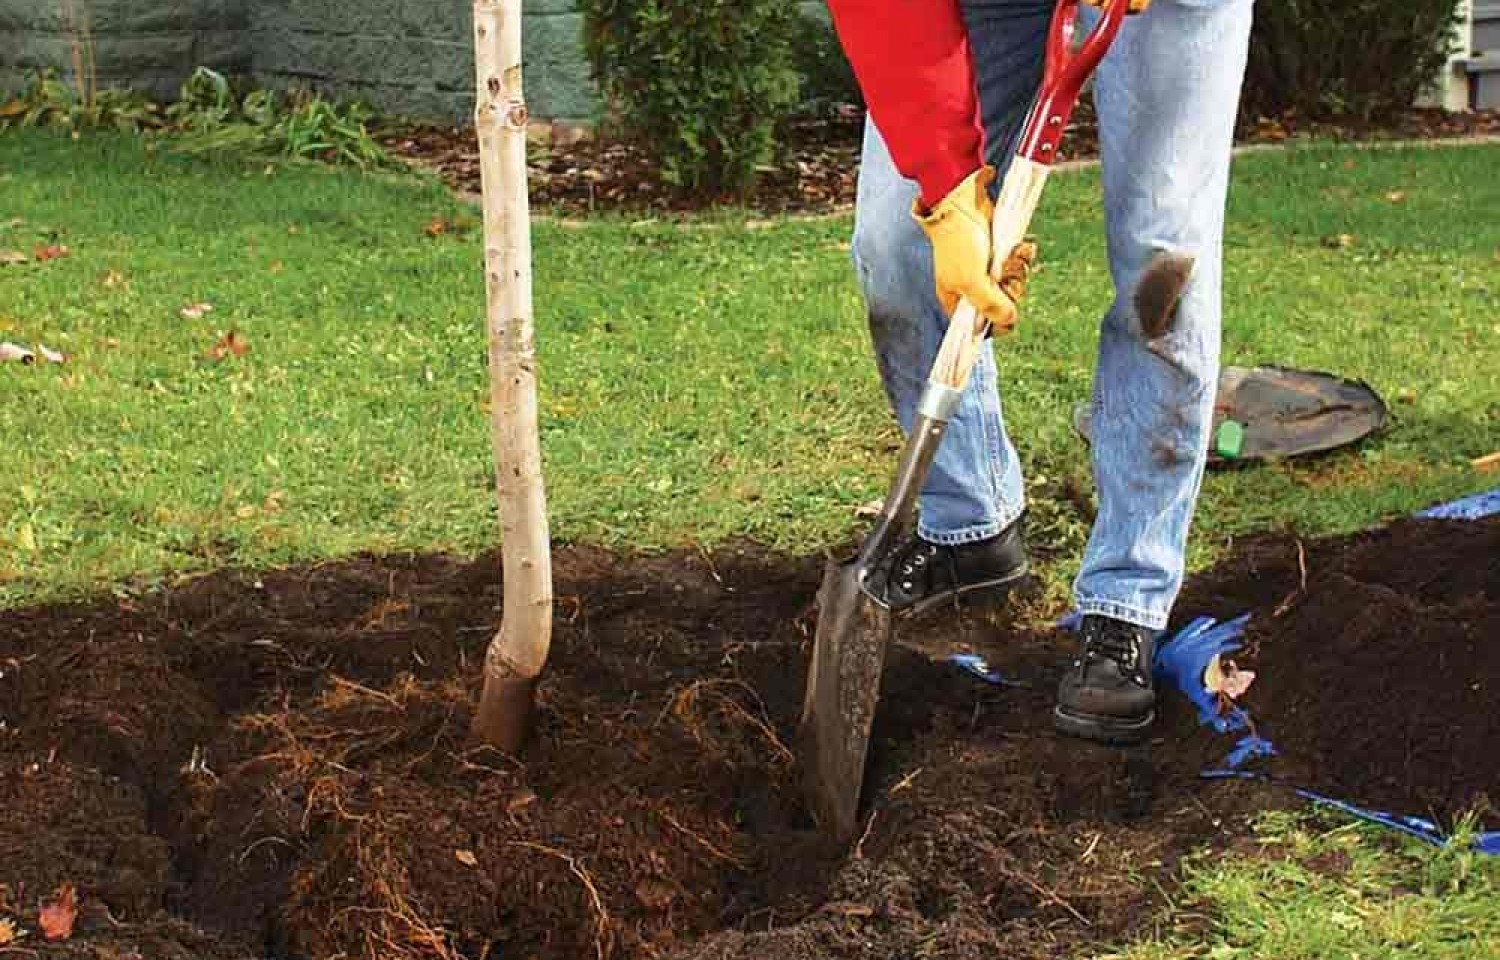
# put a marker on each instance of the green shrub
(827, 79)
(701, 85)
(1345, 58)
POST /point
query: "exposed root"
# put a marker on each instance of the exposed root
(701, 840)
(688, 708)
(601, 915)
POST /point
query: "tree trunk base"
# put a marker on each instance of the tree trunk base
(505, 712)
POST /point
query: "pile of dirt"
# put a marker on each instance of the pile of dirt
(277, 764)
(1379, 664)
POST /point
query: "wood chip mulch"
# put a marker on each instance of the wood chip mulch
(816, 168)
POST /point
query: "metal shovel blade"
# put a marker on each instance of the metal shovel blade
(854, 629)
(843, 688)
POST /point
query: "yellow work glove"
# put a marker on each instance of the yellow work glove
(1136, 6)
(959, 228)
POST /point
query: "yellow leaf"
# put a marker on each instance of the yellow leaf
(8, 932)
(1213, 676)
(466, 857)
(14, 108)
(26, 538)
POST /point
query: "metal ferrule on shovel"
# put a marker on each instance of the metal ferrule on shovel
(854, 621)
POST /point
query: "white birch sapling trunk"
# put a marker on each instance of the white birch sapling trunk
(519, 650)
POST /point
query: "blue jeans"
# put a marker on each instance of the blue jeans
(1166, 95)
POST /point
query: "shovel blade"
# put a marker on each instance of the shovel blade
(843, 687)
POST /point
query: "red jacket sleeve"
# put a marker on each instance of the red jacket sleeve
(911, 58)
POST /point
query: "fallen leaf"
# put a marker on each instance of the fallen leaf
(58, 914)
(26, 538)
(112, 279)
(846, 908)
(1224, 677)
(196, 311)
(523, 799)
(437, 227)
(466, 857)
(13, 256)
(53, 251)
(8, 932)
(1396, 196)
(1339, 241)
(231, 344)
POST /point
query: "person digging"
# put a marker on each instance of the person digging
(948, 85)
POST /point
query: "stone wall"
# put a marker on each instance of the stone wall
(147, 44)
(411, 57)
(415, 57)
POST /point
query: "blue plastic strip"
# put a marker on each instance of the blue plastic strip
(975, 664)
(1249, 748)
(1468, 508)
(1419, 827)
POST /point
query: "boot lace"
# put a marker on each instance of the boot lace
(1116, 641)
(916, 562)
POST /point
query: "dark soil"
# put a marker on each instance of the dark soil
(276, 764)
(818, 160)
(1378, 679)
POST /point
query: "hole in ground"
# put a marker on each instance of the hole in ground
(276, 764)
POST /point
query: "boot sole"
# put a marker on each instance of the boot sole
(992, 592)
(1110, 730)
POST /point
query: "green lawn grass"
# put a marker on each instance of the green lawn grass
(701, 381)
(1317, 888)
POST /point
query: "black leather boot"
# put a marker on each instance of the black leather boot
(1107, 694)
(923, 575)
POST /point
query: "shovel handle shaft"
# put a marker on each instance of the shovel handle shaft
(1020, 193)
(1064, 74)
(911, 473)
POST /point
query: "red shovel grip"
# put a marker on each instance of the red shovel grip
(1065, 72)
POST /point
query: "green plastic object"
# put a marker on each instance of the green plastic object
(1230, 439)
(1267, 413)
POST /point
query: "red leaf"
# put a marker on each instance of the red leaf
(54, 251)
(231, 344)
(58, 914)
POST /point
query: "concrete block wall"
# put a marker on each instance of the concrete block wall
(149, 45)
(415, 57)
(410, 57)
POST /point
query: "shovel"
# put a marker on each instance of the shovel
(855, 623)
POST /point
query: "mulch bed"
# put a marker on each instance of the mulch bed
(276, 764)
(816, 171)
